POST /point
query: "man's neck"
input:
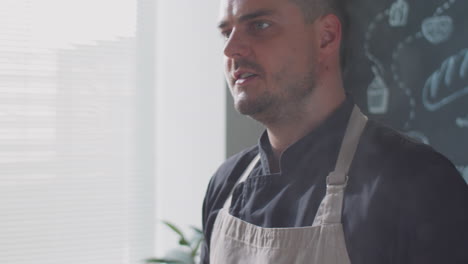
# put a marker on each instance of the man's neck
(284, 133)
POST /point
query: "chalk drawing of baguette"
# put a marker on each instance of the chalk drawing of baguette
(448, 83)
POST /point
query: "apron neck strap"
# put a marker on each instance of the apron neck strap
(242, 178)
(353, 132)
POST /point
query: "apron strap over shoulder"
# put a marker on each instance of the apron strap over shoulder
(242, 178)
(330, 209)
(353, 132)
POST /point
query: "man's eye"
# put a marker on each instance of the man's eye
(261, 25)
(226, 34)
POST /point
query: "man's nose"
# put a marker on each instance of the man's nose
(236, 45)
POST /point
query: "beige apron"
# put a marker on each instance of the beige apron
(235, 241)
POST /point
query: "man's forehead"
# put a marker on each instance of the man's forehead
(236, 8)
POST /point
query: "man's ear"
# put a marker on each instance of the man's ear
(330, 34)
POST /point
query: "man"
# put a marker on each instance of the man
(324, 185)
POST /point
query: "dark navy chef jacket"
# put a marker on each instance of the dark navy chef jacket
(404, 202)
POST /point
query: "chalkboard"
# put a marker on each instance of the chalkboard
(407, 66)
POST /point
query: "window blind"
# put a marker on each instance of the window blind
(75, 176)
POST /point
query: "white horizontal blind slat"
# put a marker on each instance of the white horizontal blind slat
(71, 186)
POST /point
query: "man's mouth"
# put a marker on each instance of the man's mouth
(245, 77)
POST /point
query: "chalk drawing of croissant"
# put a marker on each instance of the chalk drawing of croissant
(448, 83)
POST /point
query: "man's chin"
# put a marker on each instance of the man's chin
(248, 108)
(255, 106)
(262, 113)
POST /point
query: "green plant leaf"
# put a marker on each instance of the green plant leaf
(195, 238)
(160, 260)
(182, 241)
(197, 246)
(197, 230)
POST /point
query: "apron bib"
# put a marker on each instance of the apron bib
(235, 241)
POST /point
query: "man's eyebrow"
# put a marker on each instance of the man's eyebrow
(249, 16)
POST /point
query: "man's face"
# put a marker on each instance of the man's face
(270, 56)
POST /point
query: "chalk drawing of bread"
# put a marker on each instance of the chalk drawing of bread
(448, 83)
(437, 29)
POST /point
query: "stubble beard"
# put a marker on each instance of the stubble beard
(271, 108)
(255, 107)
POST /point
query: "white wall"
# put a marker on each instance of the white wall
(190, 111)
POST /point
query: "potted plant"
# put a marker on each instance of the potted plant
(188, 250)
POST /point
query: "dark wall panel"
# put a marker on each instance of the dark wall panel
(407, 66)
(241, 131)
